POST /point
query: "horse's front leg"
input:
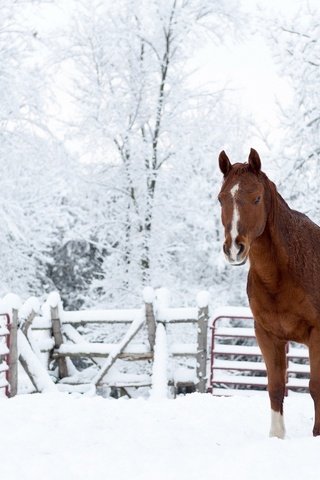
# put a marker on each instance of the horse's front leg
(274, 354)
(314, 384)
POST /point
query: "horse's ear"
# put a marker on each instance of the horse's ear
(254, 161)
(224, 163)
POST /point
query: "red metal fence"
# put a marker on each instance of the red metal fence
(4, 352)
(237, 363)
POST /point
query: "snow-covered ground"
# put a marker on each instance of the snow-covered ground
(197, 437)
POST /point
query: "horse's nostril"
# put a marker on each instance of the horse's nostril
(225, 249)
(241, 248)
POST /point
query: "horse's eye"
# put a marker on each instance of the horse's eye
(257, 200)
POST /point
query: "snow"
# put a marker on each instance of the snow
(127, 315)
(148, 294)
(10, 301)
(29, 306)
(87, 348)
(59, 436)
(203, 299)
(169, 314)
(3, 331)
(163, 297)
(3, 383)
(3, 349)
(98, 315)
(184, 349)
(53, 299)
(238, 349)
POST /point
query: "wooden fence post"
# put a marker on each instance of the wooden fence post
(58, 340)
(13, 355)
(203, 315)
(148, 297)
(160, 365)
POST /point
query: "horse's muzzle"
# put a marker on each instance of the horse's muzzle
(236, 255)
(236, 264)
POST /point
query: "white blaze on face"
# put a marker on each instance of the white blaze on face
(234, 225)
(277, 425)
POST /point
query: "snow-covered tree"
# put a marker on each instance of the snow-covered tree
(296, 46)
(112, 83)
(34, 166)
(149, 138)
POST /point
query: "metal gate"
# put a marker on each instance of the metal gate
(236, 363)
(4, 353)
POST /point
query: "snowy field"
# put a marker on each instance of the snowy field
(196, 437)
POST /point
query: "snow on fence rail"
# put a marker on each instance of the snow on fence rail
(45, 342)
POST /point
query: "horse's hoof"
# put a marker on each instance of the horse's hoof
(316, 431)
(277, 425)
(278, 434)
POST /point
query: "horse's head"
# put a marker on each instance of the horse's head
(243, 206)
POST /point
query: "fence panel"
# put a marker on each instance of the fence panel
(48, 338)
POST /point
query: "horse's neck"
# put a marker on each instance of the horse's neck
(269, 253)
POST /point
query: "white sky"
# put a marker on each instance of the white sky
(247, 67)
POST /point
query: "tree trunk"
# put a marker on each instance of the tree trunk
(147, 231)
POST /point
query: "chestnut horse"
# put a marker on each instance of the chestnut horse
(283, 248)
